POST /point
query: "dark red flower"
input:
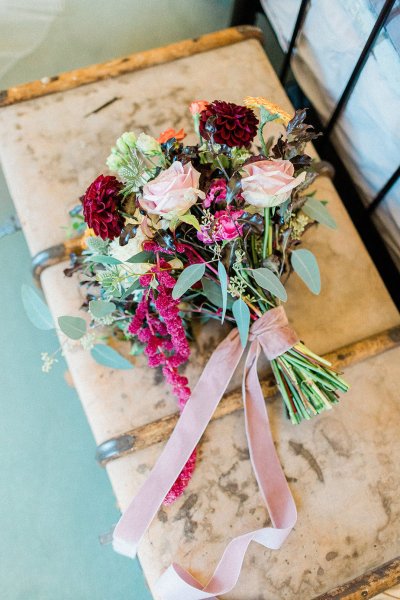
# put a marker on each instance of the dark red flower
(233, 125)
(100, 204)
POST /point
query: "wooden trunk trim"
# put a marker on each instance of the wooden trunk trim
(368, 585)
(127, 64)
(161, 429)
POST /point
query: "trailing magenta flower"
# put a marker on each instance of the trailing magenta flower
(233, 125)
(268, 183)
(216, 193)
(225, 226)
(173, 191)
(100, 207)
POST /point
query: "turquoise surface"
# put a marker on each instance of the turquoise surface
(54, 499)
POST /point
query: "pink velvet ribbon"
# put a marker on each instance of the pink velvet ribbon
(272, 335)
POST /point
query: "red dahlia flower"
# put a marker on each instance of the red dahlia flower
(234, 125)
(100, 207)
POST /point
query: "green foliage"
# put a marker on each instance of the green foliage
(108, 357)
(76, 225)
(187, 278)
(305, 265)
(223, 279)
(316, 210)
(103, 259)
(142, 257)
(213, 293)
(96, 245)
(111, 280)
(241, 313)
(270, 282)
(190, 220)
(101, 308)
(72, 327)
(131, 289)
(36, 310)
(135, 174)
(136, 160)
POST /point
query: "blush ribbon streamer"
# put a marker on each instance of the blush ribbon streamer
(272, 335)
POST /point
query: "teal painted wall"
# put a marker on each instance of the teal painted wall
(54, 499)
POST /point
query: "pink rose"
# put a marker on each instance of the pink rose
(173, 191)
(269, 183)
(224, 227)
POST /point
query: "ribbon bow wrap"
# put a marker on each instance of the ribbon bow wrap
(272, 335)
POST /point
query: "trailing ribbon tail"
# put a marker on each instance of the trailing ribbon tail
(190, 427)
(272, 335)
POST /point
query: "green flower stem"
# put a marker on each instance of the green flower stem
(322, 373)
(253, 251)
(266, 232)
(222, 167)
(283, 391)
(308, 352)
(270, 236)
(261, 138)
(244, 277)
(258, 290)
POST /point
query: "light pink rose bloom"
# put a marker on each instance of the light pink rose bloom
(173, 191)
(268, 183)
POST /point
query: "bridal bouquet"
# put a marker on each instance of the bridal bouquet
(210, 231)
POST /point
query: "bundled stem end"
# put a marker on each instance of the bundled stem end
(307, 382)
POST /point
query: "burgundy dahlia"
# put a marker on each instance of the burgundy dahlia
(233, 125)
(100, 204)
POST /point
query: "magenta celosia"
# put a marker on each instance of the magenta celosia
(166, 346)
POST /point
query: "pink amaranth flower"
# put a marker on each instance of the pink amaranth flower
(216, 193)
(166, 347)
(224, 227)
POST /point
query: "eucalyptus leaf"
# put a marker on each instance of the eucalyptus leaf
(190, 220)
(187, 278)
(213, 293)
(104, 259)
(306, 266)
(266, 279)
(73, 327)
(101, 308)
(142, 257)
(108, 357)
(317, 211)
(241, 313)
(135, 285)
(223, 278)
(36, 309)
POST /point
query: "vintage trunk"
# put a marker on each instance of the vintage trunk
(343, 466)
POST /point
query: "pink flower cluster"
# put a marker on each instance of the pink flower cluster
(216, 193)
(166, 346)
(225, 226)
